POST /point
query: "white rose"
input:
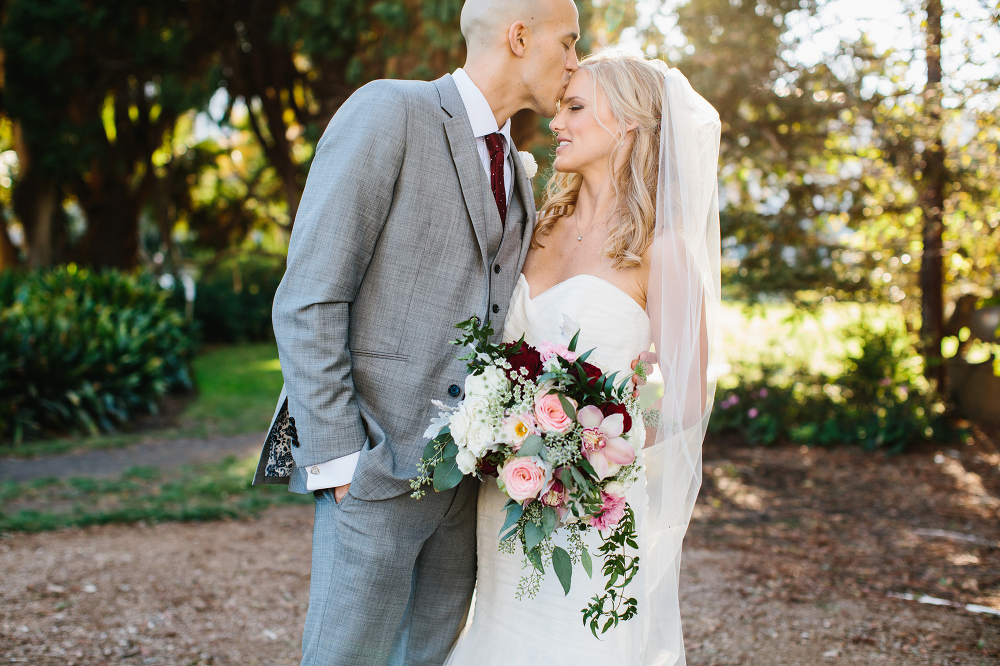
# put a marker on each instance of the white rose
(530, 165)
(491, 382)
(459, 424)
(466, 460)
(495, 379)
(615, 488)
(479, 438)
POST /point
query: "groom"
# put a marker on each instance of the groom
(417, 214)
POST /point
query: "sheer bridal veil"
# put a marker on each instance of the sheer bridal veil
(683, 302)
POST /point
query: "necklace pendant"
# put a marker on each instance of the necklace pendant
(579, 238)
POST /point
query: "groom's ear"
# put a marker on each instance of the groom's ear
(516, 37)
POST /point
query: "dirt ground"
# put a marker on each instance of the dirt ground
(791, 559)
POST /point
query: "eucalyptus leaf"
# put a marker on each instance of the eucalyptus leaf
(514, 514)
(563, 566)
(588, 564)
(531, 446)
(533, 536)
(549, 520)
(447, 475)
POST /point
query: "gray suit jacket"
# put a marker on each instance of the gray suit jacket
(395, 241)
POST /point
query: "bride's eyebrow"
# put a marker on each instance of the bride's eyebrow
(571, 99)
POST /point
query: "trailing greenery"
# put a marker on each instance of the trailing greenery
(83, 351)
(202, 492)
(880, 401)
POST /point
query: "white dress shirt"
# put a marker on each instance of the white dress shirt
(340, 471)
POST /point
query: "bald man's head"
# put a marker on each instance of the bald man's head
(486, 23)
(529, 45)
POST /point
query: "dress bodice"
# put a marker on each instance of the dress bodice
(610, 321)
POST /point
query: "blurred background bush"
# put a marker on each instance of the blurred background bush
(84, 351)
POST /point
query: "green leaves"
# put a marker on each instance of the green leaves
(533, 535)
(588, 564)
(563, 566)
(447, 475)
(82, 351)
(531, 447)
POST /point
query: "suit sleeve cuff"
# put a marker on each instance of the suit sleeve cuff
(332, 473)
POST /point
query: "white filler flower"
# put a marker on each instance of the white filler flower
(528, 160)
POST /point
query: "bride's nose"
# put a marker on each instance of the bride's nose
(556, 123)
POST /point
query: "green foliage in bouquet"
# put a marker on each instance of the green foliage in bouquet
(879, 402)
(532, 523)
(83, 351)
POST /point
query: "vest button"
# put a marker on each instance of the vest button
(454, 390)
(496, 308)
(496, 269)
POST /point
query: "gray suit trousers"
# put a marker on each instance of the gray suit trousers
(391, 579)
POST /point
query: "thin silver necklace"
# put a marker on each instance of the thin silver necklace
(580, 236)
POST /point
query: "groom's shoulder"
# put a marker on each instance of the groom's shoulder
(398, 91)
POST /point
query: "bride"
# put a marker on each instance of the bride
(626, 248)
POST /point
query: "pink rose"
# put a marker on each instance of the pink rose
(550, 349)
(611, 512)
(522, 479)
(753, 413)
(550, 415)
(602, 442)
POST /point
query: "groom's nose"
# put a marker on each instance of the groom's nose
(572, 62)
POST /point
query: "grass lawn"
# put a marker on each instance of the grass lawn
(237, 389)
(198, 492)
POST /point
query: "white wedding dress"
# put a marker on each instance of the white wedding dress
(548, 630)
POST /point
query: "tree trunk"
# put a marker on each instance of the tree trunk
(35, 202)
(932, 186)
(8, 253)
(112, 237)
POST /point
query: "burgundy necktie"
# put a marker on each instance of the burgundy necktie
(495, 143)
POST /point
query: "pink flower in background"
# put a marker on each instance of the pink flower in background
(523, 479)
(550, 415)
(731, 401)
(602, 441)
(611, 512)
(763, 393)
(885, 381)
(550, 349)
(753, 413)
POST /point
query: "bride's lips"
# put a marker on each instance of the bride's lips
(562, 144)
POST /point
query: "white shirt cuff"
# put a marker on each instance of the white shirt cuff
(332, 473)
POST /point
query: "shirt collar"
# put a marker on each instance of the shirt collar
(480, 114)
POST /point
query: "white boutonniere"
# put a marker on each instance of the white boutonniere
(529, 163)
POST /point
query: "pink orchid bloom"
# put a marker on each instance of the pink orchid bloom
(602, 441)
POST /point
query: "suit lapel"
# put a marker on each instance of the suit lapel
(466, 158)
(527, 195)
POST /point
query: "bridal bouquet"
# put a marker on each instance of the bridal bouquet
(562, 439)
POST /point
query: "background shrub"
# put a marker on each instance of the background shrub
(83, 351)
(233, 298)
(880, 401)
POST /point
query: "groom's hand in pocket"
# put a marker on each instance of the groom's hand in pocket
(648, 359)
(340, 492)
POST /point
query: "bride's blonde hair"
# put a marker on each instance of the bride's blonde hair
(633, 89)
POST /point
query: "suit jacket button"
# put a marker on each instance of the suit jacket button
(454, 390)
(496, 308)
(496, 269)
